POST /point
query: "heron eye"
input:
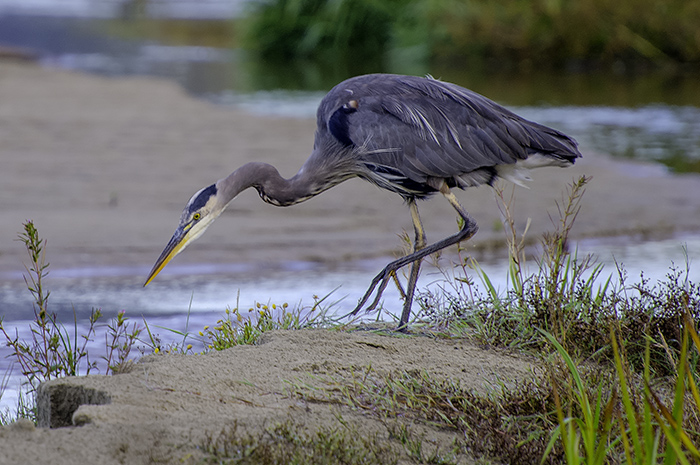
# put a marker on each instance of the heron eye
(196, 216)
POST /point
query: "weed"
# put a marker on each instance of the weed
(119, 340)
(236, 328)
(53, 350)
(292, 442)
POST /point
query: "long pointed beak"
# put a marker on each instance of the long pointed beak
(174, 247)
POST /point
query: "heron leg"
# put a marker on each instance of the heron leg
(398, 284)
(419, 243)
(382, 279)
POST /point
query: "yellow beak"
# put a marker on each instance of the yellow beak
(177, 243)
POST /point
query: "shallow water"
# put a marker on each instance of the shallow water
(186, 298)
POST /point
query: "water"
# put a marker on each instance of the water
(649, 117)
(186, 298)
(190, 9)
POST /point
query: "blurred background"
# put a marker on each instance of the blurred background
(633, 65)
(622, 77)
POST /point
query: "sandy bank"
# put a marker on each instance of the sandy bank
(166, 406)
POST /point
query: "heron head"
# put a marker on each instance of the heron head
(202, 209)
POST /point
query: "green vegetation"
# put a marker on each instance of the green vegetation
(560, 34)
(348, 36)
(617, 380)
(54, 351)
(230, 332)
(290, 442)
(314, 44)
(566, 297)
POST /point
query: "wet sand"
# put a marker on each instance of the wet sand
(104, 166)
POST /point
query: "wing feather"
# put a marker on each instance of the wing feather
(424, 128)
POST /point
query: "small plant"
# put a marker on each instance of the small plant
(592, 429)
(52, 351)
(236, 329)
(119, 340)
(292, 443)
(629, 421)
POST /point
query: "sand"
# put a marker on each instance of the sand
(167, 405)
(104, 166)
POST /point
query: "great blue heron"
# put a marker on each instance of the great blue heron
(410, 135)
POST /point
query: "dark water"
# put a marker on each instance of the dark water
(651, 117)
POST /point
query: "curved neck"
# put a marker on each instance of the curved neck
(271, 186)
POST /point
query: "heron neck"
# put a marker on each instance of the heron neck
(271, 186)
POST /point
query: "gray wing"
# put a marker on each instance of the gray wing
(423, 128)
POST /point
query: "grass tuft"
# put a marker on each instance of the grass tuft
(510, 424)
(237, 328)
(291, 442)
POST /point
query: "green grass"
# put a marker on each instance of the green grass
(510, 423)
(291, 442)
(236, 328)
(559, 34)
(358, 36)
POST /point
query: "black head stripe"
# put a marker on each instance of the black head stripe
(203, 197)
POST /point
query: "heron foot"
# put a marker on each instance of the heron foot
(381, 280)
